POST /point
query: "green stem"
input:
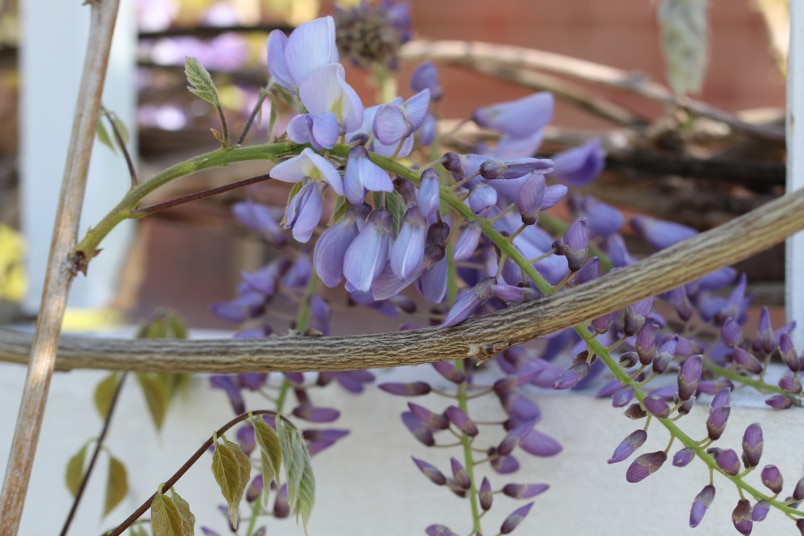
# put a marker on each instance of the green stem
(468, 458)
(126, 208)
(759, 385)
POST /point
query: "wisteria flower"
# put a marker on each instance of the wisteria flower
(310, 46)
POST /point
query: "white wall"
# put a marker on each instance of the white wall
(367, 484)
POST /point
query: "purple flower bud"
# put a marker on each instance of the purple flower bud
(788, 351)
(430, 471)
(430, 418)
(772, 478)
(504, 464)
(790, 383)
(448, 370)
(429, 195)
(461, 420)
(659, 233)
(262, 219)
(514, 169)
(657, 407)
(572, 375)
(406, 389)
(485, 495)
(330, 249)
(646, 343)
(469, 301)
(699, 506)
(588, 271)
(539, 444)
(460, 474)
(683, 457)
(779, 402)
(622, 397)
(721, 399)
(686, 406)
(420, 431)
(730, 333)
(397, 120)
(746, 360)
(512, 438)
(314, 414)
(689, 375)
(635, 411)
(580, 165)
(524, 491)
(425, 76)
(574, 244)
(530, 197)
(519, 118)
(798, 491)
(609, 388)
(635, 316)
(281, 505)
(254, 489)
(741, 517)
(728, 461)
(520, 409)
(515, 518)
(603, 323)
(232, 390)
(438, 530)
(481, 199)
(716, 422)
(752, 445)
(800, 526)
(644, 466)
(628, 446)
(760, 511)
(604, 220)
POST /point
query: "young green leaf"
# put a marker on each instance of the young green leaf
(116, 484)
(103, 136)
(200, 81)
(157, 396)
(231, 468)
(271, 454)
(298, 470)
(166, 517)
(75, 470)
(187, 517)
(119, 125)
(104, 393)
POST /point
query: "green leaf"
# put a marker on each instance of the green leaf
(187, 517)
(120, 126)
(104, 393)
(395, 204)
(271, 454)
(116, 484)
(200, 81)
(231, 468)
(166, 517)
(75, 470)
(103, 136)
(157, 395)
(298, 470)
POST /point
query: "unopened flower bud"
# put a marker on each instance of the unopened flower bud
(746, 360)
(728, 461)
(716, 423)
(635, 316)
(752, 445)
(730, 333)
(699, 506)
(628, 446)
(772, 478)
(689, 376)
(645, 465)
(683, 457)
(430, 471)
(741, 517)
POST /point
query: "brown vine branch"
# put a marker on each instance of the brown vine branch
(731, 242)
(43, 349)
(477, 53)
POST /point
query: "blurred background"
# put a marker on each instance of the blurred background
(192, 255)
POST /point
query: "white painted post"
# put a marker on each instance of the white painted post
(794, 296)
(52, 52)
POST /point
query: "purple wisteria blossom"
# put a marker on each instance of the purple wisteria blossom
(291, 59)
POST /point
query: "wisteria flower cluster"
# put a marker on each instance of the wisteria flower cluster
(463, 231)
(380, 206)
